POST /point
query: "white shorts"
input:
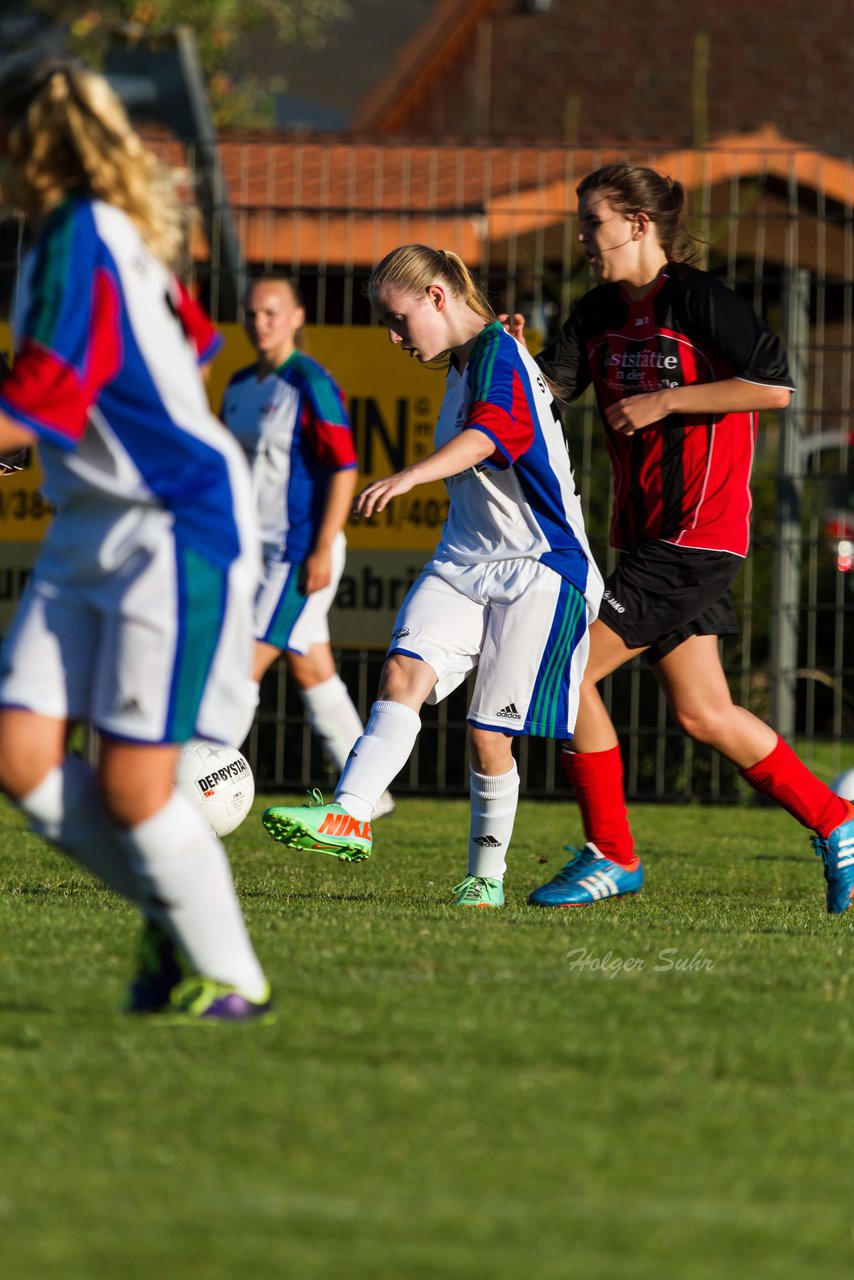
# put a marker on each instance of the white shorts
(148, 640)
(522, 626)
(286, 618)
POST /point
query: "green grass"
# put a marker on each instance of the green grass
(445, 1093)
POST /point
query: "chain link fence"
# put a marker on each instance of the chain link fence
(775, 223)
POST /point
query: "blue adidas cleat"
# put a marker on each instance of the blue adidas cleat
(837, 853)
(590, 877)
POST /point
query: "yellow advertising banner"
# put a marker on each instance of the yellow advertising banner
(393, 403)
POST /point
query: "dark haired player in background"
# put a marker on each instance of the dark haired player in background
(680, 366)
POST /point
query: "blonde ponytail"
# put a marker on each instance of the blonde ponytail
(414, 267)
(66, 130)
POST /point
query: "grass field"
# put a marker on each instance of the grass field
(658, 1088)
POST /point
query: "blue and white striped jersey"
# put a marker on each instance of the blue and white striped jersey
(522, 501)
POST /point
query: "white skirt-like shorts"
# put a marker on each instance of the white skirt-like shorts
(127, 627)
(286, 618)
(520, 625)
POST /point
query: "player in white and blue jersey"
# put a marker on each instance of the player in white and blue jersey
(510, 590)
(136, 619)
(289, 416)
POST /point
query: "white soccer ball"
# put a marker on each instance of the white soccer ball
(217, 780)
(843, 784)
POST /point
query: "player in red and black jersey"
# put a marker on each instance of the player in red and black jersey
(686, 478)
(680, 366)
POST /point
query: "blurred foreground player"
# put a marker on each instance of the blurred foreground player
(136, 618)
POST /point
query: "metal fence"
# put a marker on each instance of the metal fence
(776, 224)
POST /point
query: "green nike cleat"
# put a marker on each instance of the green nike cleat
(325, 828)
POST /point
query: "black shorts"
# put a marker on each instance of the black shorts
(659, 595)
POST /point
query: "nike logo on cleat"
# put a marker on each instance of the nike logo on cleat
(509, 712)
(342, 824)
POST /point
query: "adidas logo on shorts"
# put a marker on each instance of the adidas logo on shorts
(509, 712)
(487, 842)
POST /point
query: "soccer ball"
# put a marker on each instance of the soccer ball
(843, 784)
(217, 780)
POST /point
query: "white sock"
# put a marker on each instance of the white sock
(493, 812)
(377, 758)
(333, 718)
(189, 891)
(68, 809)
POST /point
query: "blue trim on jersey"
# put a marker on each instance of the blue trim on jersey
(496, 375)
(567, 556)
(292, 514)
(202, 595)
(497, 464)
(405, 653)
(206, 354)
(287, 611)
(185, 473)
(306, 373)
(548, 710)
(189, 476)
(308, 482)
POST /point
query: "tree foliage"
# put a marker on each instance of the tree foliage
(219, 25)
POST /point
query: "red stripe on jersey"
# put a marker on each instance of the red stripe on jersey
(49, 392)
(331, 443)
(197, 324)
(686, 479)
(513, 431)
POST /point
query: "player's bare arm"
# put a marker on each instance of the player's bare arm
(13, 436)
(317, 569)
(733, 395)
(466, 450)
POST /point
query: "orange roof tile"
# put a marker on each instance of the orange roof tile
(343, 202)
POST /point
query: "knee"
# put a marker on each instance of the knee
(23, 769)
(703, 724)
(19, 778)
(405, 679)
(491, 752)
(315, 667)
(131, 800)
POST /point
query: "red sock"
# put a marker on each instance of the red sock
(783, 777)
(597, 779)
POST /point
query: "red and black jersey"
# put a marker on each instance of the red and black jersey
(686, 479)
